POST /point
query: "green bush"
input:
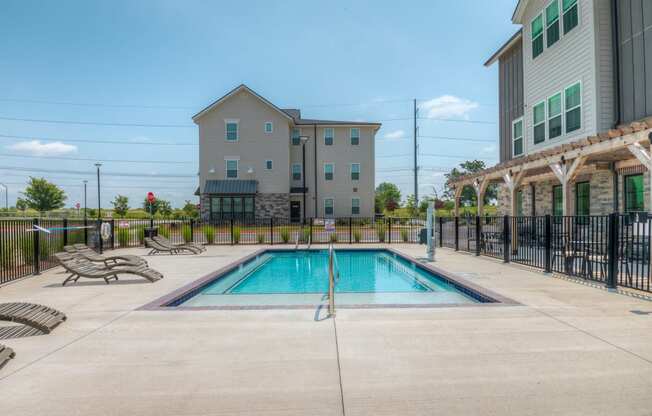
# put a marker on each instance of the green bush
(260, 237)
(236, 235)
(380, 232)
(27, 248)
(187, 233)
(164, 230)
(7, 258)
(333, 238)
(140, 233)
(357, 236)
(285, 235)
(305, 235)
(404, 235)
(123, 237)
(209, 233)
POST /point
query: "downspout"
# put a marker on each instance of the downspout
(316, 142)
(616, 192)
(615, 38)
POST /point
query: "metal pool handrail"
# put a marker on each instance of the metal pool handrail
(331, 280)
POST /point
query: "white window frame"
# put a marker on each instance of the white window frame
(351, 135)
(545, 113)
(271, 162)
(300, 171)
(352, 206)
(520, 119)
(271, 127)
(561, 18)
(324, 206)
(226, 131)
(333, 165)
(543, 34)
(292, 136)
(546, 25)
(562, 114)
(359, 171)
(332, 136)
(581, 107)
(226, 167)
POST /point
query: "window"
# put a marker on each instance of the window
(328, 206)
(355, 136)
(634, 193)
(554, 116)
(328, 171)
(537, 36)
(249, 206)
(216, 208)
(231, 131)
(268, 164)
(539, 122)
(552, 23)
(355, 206)
(296, 137)
(571, 15)
(519, 203)
(573, 107)
(557, 201)
(226, 207)
(269, 127)
(355, 171)
(296, 172)
(583, 198)
(232, 169)
(328, 136)
(517, 137)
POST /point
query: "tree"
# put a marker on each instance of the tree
(43, 196)
(160, 206)
(468, 194)
(190, 210)
(411, 205)
(120, 205)
(388, 197)
(21, 204)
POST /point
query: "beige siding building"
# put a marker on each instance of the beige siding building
(259, 161)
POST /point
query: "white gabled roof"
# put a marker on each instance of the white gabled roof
(241, 87)
(518, 12)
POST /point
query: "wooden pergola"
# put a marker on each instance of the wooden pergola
(624, 146)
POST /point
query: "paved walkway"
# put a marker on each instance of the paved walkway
(569, 349)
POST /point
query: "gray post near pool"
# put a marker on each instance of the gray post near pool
(304, 139)
(99, 209)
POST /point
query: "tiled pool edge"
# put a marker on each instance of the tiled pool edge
(468, 288)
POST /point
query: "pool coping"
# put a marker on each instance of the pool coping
(491, 298)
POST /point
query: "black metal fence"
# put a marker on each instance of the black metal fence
(20, 245)
(612, 249)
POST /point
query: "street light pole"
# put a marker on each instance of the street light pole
(85, 183)
(6, 196)
(99, 209)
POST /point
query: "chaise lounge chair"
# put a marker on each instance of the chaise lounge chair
(37, 316)
(6, 354)
(109, 261)
(156, 247)
(79, 267)
(184, 246)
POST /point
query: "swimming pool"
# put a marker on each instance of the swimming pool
(296, 278)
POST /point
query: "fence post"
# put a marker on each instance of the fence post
(65, 231)
(311, 237)
(99, 236)
(112, 233)
(506, 238)
(37, 248)
(85, 231)
(457, 233)
(271, 230)
(612, 251)
(389, 221)
(548, 243)
(350, 231)
(231, 228)
(478, 234)
(441, 231)
(192, 230)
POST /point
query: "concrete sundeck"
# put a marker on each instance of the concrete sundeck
(567, 348)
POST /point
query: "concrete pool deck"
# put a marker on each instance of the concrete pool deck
(567, 349)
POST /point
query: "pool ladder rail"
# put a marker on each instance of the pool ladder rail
(333, 270)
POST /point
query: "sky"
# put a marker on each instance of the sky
(75, 74)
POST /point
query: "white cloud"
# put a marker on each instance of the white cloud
(36, 148)
(448, 106)
(393, 135)
(491, 149)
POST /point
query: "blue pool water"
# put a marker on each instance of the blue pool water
(300, 277)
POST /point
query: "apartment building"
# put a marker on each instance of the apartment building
(575, 94)
(257, 160)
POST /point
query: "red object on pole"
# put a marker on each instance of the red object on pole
(150, 197)
(77, 205)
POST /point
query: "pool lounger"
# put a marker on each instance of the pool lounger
(186, 246)
(6, 354)
(78, 268)
(157, 247)
(37, 316)
(108, 261)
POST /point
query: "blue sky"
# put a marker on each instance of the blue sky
(150, 65)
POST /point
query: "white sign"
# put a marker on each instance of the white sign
(329, 225)
(123, 224)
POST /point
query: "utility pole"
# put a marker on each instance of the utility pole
(416, 168)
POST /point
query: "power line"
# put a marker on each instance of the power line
(96, 123)
(101, 141)
(49, 177)
(98, 160)
(77, 172)
(461, 139)
(430, 155)
(155, 107)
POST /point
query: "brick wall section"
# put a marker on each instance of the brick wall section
(205, 211)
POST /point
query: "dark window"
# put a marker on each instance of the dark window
(268, 164)
(355, 136)
(557, 201)
(328, 136)
(582, 198)
(537, 36)
(355, 206)
(226, 207)
(634, 193)
(296, 137)
(571, 15)
(552, 23)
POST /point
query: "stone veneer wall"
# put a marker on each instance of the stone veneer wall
(273, 205)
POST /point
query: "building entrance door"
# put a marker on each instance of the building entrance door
(295, 211)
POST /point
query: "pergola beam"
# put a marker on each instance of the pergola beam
(565, 175)
(480, 186)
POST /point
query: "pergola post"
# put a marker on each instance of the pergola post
(565, 175)
(513, 183)
(458, 193)
(480, 186)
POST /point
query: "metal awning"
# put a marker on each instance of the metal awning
(231, 187)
